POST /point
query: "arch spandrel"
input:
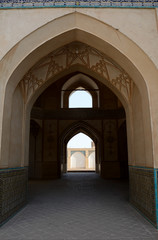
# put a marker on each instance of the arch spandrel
(76, 53)
(79, 127)
(78, 79)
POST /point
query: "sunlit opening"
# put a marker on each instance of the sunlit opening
(80, 98)
(80, 153)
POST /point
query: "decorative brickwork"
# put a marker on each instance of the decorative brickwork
(13, 191)
(77, 3)
(142, 191)
(75, 54)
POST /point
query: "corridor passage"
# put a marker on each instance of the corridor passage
(79, 206)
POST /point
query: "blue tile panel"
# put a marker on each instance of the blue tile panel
(143, 191)
(156, 193)
(78, 3)
(83, 152)
(13, 191)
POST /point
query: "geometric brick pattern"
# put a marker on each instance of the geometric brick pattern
(142, 191)
(71, 56)
(77, 3)
(78, 206)
(13, 191)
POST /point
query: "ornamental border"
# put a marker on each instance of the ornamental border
(13, 4)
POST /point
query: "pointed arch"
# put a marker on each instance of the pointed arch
(70, 28)
(142, 114)
(70, 132)
(80, 80)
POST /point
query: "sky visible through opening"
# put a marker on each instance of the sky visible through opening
(80, 99)
(80, 140)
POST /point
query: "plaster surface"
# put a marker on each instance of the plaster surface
(140, 25)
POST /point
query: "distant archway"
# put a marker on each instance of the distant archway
(71, 131)
(81, 153)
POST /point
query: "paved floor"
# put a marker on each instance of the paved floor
(80, 206)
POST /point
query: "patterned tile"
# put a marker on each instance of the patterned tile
(77, 3)
(142, 191)
(13, 191)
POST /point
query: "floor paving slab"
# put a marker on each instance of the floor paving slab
(79, 206)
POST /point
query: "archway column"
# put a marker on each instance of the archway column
(3, 161)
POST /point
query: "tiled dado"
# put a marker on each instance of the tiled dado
(77, 3)
(143, 184)
(13, 191)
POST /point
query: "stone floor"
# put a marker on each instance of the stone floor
(80, 206)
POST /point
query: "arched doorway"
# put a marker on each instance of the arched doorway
(60, 123)
(92, 133)
(15, 153)
(81, 153)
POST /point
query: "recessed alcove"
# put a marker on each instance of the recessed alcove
(102, 123)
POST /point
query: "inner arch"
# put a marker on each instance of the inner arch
(81, 153)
